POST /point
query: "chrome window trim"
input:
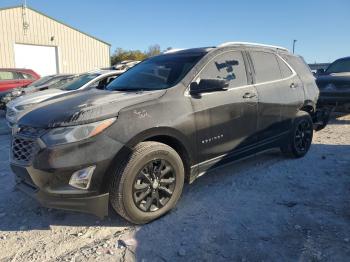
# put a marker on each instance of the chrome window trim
(187, 91)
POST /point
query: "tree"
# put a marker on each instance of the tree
(121, 54)
(153, 50)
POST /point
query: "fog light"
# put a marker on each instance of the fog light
(82, 178)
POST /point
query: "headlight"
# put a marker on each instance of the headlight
(24, 107)
(70, 134)
(16, 92)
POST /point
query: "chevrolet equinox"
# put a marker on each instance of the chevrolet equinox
(165, 121)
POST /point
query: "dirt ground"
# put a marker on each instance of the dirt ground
(267, 208)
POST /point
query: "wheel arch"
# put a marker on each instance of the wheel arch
(171, 137)
(165, 135)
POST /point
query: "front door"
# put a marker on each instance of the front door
(225, 120)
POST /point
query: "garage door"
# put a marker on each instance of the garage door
(42, 59)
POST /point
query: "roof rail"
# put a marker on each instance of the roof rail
(173, 50)
(252, 44)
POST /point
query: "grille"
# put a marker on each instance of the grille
(23, 149)
(337, 85)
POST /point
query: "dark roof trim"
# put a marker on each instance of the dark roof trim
(20, 6)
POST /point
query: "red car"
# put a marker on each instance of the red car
(14, 77)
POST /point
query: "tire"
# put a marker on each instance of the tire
(147, 168)
(300, 138)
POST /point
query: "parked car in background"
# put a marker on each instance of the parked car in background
(46, 82)
(167, 120)
(124, 65)
(11, 78)
(334, 85)
(14, 77)
(96, 79)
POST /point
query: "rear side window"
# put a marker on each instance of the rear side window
(6, 75)
(265, 66)
(27, 76)
(18, 75)
(229, 66)
(285, 70)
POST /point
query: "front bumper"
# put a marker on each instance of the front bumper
(334, 98)
(12, 116)
(46, 176)
(96, 205)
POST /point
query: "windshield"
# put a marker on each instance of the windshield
(160, 72)
(62, 81)
(42, 81)
(339, 66)
(79, 82)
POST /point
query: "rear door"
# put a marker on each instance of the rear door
(278, 88)
(226, 120)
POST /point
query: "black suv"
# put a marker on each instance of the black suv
(167, 120)
(334, 85)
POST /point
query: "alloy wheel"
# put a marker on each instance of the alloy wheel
(154, 185)
(303, 136)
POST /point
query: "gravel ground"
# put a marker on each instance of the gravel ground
(266, 208)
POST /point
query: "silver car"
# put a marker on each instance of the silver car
(97, 79)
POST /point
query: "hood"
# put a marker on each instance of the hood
(36, 97)
(84, 107)
(34, 89)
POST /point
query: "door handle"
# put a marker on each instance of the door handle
(249, 95)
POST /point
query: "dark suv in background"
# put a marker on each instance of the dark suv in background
(334, 85)
(165, 121)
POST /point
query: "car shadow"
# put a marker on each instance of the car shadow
(336, 119)
(259, 209)
(201, 199)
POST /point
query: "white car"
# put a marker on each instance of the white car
(96, 79)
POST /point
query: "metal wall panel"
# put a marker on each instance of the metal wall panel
(77, 52)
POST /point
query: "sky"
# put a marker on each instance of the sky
(321, 27)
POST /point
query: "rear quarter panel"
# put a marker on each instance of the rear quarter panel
(311, 91)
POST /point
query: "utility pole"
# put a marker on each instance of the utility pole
(294, 41)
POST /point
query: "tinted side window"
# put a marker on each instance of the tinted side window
(285, 70)
(5, 75)
(229, 66)
(18, 75)
(266, 66)
(27, 76)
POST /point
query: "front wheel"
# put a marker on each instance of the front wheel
(300, 138)
(148, 184)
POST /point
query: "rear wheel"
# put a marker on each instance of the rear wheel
(300, 138)
(149, 184)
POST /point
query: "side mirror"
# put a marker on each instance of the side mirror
(320, 71)
(208, 85)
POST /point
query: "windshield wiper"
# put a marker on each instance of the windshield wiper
(129, 89)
